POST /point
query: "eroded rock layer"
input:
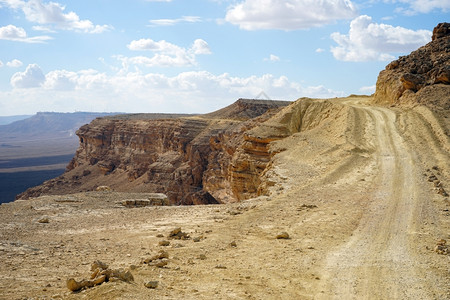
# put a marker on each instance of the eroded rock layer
(193, 160)
(421, 77)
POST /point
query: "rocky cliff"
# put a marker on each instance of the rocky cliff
(194, 160)
(421, 77)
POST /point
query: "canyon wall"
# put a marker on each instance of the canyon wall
(193, 160)
(219, 157)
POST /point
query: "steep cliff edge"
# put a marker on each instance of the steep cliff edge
(187, 158)
(421, 77)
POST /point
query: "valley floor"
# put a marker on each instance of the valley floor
(361, 212)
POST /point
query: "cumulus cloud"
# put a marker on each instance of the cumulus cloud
(18, 34)
(422, 6)
(171, 22)
(368, 41)
(288, 15)
(195, 91)
(61, 80)
(15, 63)
(31, 78)
(149, 44)
(1, 64)
(320, 50)
(14, 4)
(53, 14)
(166, 54)
(200, 47)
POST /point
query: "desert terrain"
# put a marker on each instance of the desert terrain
(343, 198)
(362, 215)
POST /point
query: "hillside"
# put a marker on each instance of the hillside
(343, 198)
(47, 125)
(36, 149)
(5, 120)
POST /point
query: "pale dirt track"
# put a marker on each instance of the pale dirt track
(380, 260)
(351, 192)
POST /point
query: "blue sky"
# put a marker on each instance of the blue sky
(198, 56)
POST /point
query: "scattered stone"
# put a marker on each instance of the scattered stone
(155, 199)
(442, 192)
(283, 235)
(233, 244)
(44, 220)
(177, 234)
(164, 243)
(100, 273)
(103, 188)
(308, 206)
(160, 235)
(160, 263)
(234, 212)
(151, 284)
(159, 260)
(220, 267)
(432, 178)
(202, 257)
(197, 239)
(442, 247)
(161, 255)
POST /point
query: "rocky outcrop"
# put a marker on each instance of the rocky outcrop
(214, 158)
(193, 160)
(420, 77)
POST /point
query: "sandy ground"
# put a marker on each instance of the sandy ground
(353, 195)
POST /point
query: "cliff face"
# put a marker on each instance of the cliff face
(193, 160)
(421, 77)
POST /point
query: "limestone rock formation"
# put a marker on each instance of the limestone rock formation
(193, 160)
(421, 77)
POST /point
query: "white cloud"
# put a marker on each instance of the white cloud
(31, 78)
(368, 89)
(272, 58)
(15, 63)
(368, 41)
(18, 34)
(1, 64)
(320, 50)
(288, 15)
(61, 80)
(171, 22)
(196, 91)
(14, 4)
(149, 44)
(422, 6)
(200, 47)
(53, 14)
(166, 54)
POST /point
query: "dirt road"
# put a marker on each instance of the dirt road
(380, 260)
